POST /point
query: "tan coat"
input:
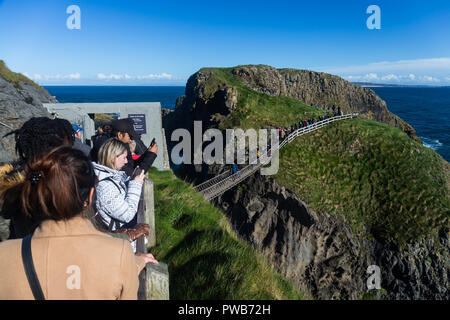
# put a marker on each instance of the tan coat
(73, 261)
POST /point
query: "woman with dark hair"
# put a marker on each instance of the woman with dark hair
(40, 135)
(70, 258)
(35, 138)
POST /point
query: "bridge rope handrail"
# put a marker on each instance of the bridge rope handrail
(225, 181)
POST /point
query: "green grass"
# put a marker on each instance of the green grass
(14, 78)
(396, 187)
(206, 259)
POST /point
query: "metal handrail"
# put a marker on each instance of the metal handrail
(214, 187)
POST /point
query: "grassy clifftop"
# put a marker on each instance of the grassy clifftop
(206, 260)
(368, 171)
(374, 175)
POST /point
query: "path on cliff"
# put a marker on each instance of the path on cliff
(216, 186)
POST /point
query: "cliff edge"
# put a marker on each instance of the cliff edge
(20, 100)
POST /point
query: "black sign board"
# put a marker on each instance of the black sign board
(139, 123)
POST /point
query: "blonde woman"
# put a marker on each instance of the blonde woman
(117, 197)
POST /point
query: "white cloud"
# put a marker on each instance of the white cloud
(390, 77)
(156, 76)
(162, 76)
(430, 79)
(353, 78)
(74, 76)
(371, 77)
(413, 71)
(36, 76)
(394, 66)
(101, 76)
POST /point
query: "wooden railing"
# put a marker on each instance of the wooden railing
(154, 278)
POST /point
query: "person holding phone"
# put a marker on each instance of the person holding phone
(123, 130)
(117, 195)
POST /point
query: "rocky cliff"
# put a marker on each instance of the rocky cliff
(320, 254)
(211, 98)
(20, 100)
(323, 90)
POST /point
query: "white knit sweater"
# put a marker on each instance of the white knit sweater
(117, 196)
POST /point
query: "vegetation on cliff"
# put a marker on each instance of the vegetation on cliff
(15, 78)
(374, 175)
(206, 259)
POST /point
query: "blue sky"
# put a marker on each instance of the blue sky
(164, 42)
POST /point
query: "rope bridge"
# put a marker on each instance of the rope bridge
(219, 184)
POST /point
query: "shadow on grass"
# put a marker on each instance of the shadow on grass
(201, 267)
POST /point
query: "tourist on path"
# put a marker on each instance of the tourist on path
(78, 144)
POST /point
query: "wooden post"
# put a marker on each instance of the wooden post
(154, 278)
(149, 213)
(154, 282)
(157, 281)
(140, 243)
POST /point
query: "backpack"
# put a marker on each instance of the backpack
(98, 218)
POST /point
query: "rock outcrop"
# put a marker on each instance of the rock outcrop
(213, 103)
(323, 90)
(319, 253)
(18, 102)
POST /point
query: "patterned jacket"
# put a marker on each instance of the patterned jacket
(117, 197)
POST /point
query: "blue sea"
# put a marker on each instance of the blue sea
(164, 94)
(427, 109)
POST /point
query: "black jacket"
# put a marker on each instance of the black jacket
(145, 161)
(98, 141)
(77, 144)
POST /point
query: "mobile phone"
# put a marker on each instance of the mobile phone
(137, 172)
(152, 143)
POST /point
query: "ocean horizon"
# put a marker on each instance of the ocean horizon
(167, 95)
(427, 109)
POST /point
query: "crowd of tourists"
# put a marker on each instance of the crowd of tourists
(73, 208)
(283, 132)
